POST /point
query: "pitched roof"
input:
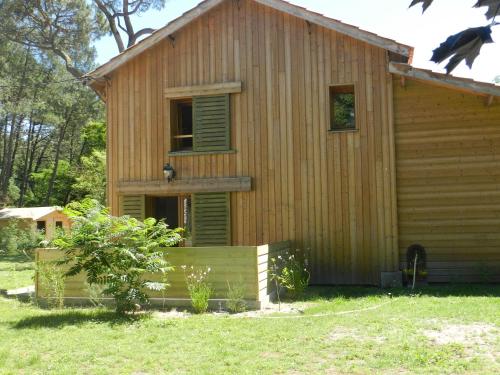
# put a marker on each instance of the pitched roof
(33, 213)
(482, 88)
(280, 5)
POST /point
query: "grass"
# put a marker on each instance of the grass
(390, 334)
(16, 271)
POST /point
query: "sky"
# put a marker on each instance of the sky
(389, 18)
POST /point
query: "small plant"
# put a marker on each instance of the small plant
(290, 271)
(95, 293)
(52, 280)
(236, 297)
(198, 288)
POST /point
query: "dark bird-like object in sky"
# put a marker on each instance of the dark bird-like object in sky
(493, 7)
(465, 45)
(425, 4)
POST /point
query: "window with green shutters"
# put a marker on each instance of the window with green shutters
(133, 206)
(211, 219)
(211, 123)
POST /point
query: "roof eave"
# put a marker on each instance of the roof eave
(481, 88)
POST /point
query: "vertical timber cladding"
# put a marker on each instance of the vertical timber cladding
(332, 193)
(448, 180)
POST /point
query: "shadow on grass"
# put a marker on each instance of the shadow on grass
(443, 290)
(75, 318)
(15, 263)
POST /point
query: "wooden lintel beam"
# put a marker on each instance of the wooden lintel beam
(212, 89)
(188, 185)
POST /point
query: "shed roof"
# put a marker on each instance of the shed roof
(280, 5)
(457, 83)
(33, 213)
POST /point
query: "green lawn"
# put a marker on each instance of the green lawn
(453, 329)
(16, 271)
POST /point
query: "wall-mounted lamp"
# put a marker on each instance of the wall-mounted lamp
(168, 172)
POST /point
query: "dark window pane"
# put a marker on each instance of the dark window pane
(59, 224)
(40, 225)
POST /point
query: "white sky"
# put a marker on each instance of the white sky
(388, 18)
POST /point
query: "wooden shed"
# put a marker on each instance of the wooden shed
(45, 219)
(283, 124)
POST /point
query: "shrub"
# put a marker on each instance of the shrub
(119, 253)
(198, 288)
(290, 271)
(236, 297)
(52, 280)
(16, 239)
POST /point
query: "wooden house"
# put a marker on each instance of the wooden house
(45, 219)
(283, 124)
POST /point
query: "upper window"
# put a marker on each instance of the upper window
(59, 224)
(201, 124)
(342, 108)
(182, 125)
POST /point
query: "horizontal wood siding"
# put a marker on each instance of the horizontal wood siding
(233, 265)
(448, 180)
(331, 193)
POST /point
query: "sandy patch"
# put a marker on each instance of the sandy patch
(342, 333)
(465, 334)
(476, 338)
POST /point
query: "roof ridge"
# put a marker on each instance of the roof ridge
(280, 5)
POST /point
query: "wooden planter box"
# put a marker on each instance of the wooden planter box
(233, 264)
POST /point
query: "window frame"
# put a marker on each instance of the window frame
(348, 87)
(173, 120)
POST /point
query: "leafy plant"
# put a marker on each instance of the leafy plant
(289, 271)
(95, 293)
(236, 297)
(119, 253)
(16, 239)
(198, 287)
(52, 280)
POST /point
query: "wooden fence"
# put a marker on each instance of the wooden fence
(229, 265)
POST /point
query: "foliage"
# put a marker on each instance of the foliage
(68, 28)
(236, 297)
(95, 293)
(290, 271)
(15, 238)
(91, 182)
(52, 279)
(61, 183)
(42, 114)
(465, 45)
(65, 28)
(198, 287)
(119, 253)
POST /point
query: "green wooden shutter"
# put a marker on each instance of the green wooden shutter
(211, 219)
(211, 123)
(133, 206)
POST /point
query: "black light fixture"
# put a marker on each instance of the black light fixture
(168, 172)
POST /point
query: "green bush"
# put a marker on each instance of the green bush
(14, 239)
(289, 271)
(236, 297)
(119, 253)
(198, 288)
